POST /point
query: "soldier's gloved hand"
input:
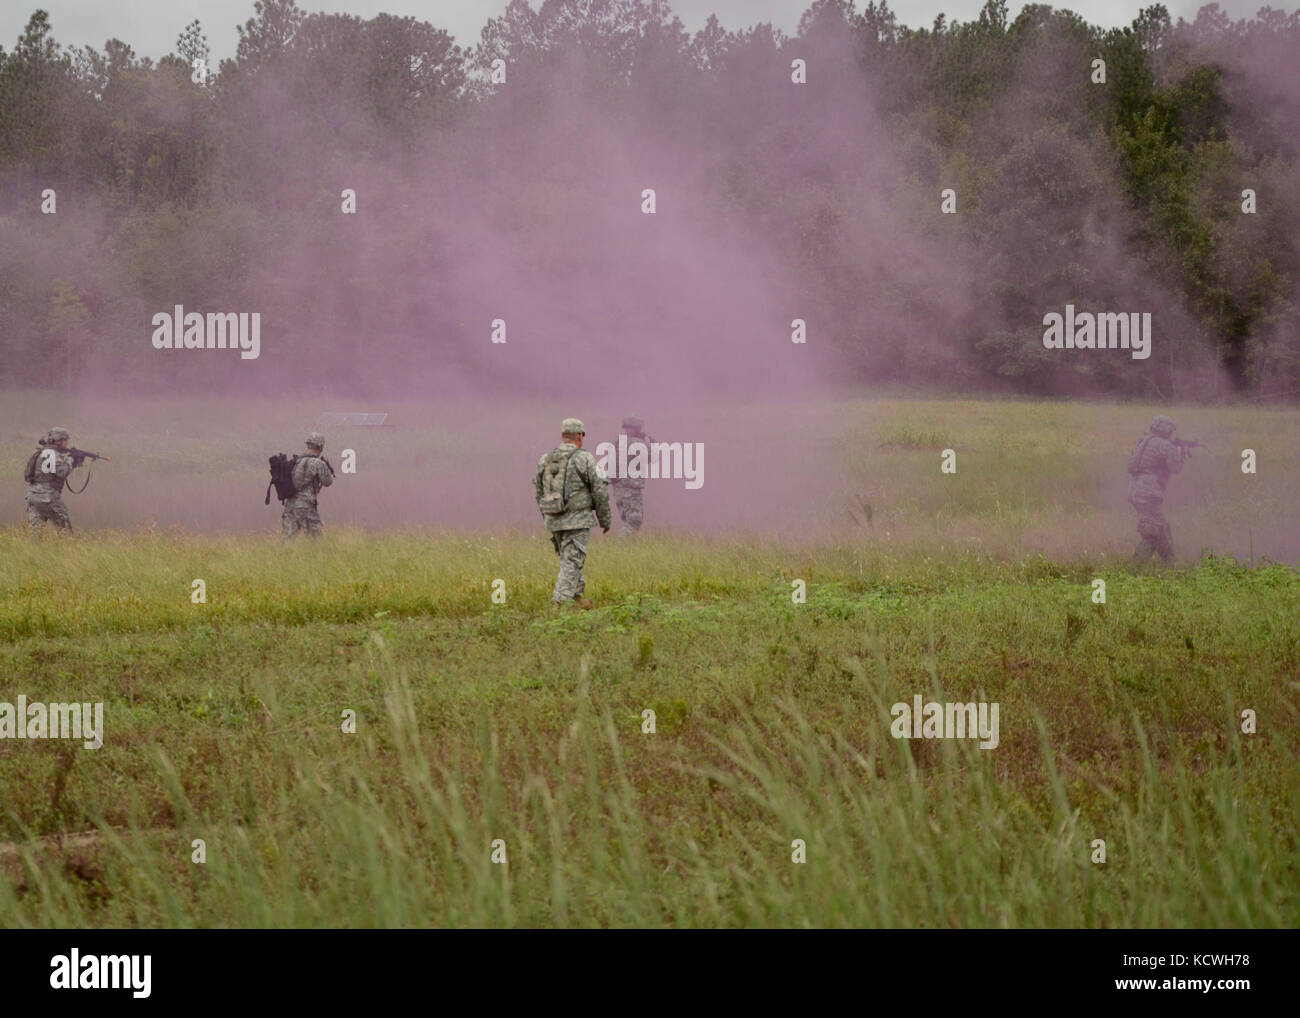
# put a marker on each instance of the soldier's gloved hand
(604, 530)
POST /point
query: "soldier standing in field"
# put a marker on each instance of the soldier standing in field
(47, 470)
(629, 492)
(1155, 459)
(310, 473)
(573, 495)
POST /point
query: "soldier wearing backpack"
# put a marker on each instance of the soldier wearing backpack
(47, 470)
(309, 474)
(573, 495)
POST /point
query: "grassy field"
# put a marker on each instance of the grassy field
(478, 721)
(1031, 476)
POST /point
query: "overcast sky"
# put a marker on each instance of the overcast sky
(151, 26)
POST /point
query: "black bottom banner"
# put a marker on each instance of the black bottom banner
(334, 968)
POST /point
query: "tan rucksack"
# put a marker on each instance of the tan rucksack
(555, 474)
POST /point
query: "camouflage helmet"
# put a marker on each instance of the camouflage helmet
(316, 439)
(1162, 426)
(633, 422)
(572, 426)
(56, 435)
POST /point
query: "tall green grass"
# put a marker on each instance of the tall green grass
(400, 832)
(478, 722)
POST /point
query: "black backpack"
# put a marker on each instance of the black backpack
(281, 477)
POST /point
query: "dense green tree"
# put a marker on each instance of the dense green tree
(1127, 194)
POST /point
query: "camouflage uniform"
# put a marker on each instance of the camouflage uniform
(586, 499)
(629, 492)
(44, 494)
(310, 474)
(1155, 459)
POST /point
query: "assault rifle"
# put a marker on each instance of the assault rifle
(79, 456)
(1186, 445)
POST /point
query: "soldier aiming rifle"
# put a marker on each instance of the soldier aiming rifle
(47, 473)
(1156, 457)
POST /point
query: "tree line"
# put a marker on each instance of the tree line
(219, 187)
